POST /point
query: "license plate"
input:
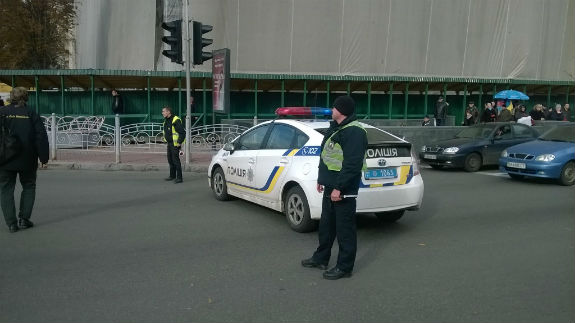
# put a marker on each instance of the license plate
(426, 156)
(380, 173)
(516, 165)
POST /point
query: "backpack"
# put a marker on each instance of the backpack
(10, 145)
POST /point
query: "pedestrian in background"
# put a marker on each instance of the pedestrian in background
(468, 120)
(440, 111)
(1, 102)
(557, 114)
(25, 124)
(426, 122)
(174, 135)
(504, 115)
(489, 114)
(474, 111)
(567, 112)
(117, 102)
(339, 174)
(537, 112)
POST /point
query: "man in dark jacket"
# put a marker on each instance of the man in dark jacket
(27, 126)
(117, 102)
(174, 135)
(440, 111)
(339, 174)
(489, 114)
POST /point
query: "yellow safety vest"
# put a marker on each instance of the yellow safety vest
(175, 134)
(332, 153)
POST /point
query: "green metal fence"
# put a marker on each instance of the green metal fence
(87, 92)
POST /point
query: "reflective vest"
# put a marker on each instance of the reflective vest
(175, 134)
(332, 154)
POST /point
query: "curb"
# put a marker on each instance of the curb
(122, 167)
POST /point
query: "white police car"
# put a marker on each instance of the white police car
(275, 164)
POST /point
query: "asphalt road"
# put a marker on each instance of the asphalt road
(130, 247)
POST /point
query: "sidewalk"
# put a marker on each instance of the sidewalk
(94, 159)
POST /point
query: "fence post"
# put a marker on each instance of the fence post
(118, 137)
(53, 136)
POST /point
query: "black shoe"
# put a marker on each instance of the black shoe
(25, 223)
(13, 228)
(178, 180)
(169, 178)
(335, 273)
(310, 263)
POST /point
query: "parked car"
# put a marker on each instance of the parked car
(476, 146)
(552, 155)
(275, 164)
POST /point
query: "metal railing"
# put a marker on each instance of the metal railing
(91, 133)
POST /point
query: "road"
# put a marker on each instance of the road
(130, 247)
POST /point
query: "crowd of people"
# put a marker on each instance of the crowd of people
(496, 111)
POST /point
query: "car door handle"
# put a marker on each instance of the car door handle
(251, 161)
(284, 161)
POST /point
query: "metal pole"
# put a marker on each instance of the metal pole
(187, 145)
(53, 136)
(118, 137)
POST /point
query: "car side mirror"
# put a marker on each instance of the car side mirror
(229, 147)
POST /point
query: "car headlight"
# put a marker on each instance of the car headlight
(504, 153)
(545, 157)
(451, 150)
(423, 148)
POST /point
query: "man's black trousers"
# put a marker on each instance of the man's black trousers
(174, 161)
(27, 197)
(337, 220)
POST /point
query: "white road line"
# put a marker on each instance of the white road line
(499, 174)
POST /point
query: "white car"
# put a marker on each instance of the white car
(275, 164)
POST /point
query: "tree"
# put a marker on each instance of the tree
(35, 34)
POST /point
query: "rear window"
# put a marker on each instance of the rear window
(373, 135)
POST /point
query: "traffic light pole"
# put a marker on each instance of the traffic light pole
(187, 61)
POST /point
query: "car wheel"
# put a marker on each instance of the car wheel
(219, 186)
(472, 162)
(297, 211)
(436, 166)
(390, 216)
(567, 177)
(516, 176)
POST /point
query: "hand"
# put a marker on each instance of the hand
(335, 195)
(319, 188)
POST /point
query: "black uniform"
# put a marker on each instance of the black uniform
(338, 218)
(173, 150)
(27, 125)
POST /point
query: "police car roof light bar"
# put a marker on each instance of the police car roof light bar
(303, 111)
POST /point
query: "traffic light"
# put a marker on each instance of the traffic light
(199, 43)
(174, 40)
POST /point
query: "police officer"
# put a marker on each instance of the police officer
(25, 124)
(342, 160)
(174, 135)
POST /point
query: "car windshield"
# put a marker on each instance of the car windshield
(482, 131)
(560, 133)
(373, 135)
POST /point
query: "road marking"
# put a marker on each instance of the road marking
(498, 174)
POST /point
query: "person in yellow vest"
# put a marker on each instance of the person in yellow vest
(342, 160)
(174, 135)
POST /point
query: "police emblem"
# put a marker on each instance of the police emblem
(250, 174)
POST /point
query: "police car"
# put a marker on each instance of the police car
(275, 164)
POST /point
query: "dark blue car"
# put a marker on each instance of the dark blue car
(552, 155)
(476, 146)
